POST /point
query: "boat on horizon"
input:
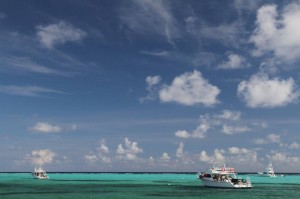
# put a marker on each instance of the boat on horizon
(223, 177)
(39, 173)
(269, 172)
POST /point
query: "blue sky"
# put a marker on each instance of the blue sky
(146, 85)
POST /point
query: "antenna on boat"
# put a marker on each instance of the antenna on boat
(212, 162)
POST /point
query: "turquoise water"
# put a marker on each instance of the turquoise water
(105, 185)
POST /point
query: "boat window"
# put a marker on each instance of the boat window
(207, 175)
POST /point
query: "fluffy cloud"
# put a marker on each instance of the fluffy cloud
(59, 33)
(271, 138)
(226, 120)
(152, 80)
(204, 157)
(229, 115)
(233, 155)
(129, 151)
(230, 130)
(234, 62)
(180, 150)
(294, 145)
(91, 157)
(182, 158)
(44, 127)
(285, 161)
(199, 132)
(278, 32)
(280, 157)
(203, 127)
(152, 87)
(41, 157)
(182, 134)
(242, 156)
(165, 157)
(260, 91)
(101, 154)
(190, 89)
(236, 150)
(217, 157)
(103, 150)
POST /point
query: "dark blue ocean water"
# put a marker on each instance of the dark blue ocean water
(112, 185)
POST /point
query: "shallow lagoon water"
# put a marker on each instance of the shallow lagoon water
(114, 185)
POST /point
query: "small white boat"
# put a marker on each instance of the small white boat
(39, 173)
(223, 177)
(269, 171)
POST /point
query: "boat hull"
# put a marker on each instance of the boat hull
(41, 178)
(225, 184)
(267, 175)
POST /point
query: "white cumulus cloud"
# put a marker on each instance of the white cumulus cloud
(204, 157)
(229, 115)
(41, 157)
(152, 80)
(202, 128)
(294, 145)
(190, 89)
(180, 150)
(234, 62)
(231, 130)
(101, 154)
(44, 127)
(165, 157)
(59, 33)
(152, 88)
(271, 138)
(91, 157)
(261, 91)
(227, 120)
(129, 151)
(103, 148)
(285, 159)
(278, 33)
(232, 155)
(199, 132)
(217, 156)
(182, 134)
(237, 150)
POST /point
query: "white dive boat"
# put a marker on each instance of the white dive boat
(223, 177)
(269, 171)
(39, 173)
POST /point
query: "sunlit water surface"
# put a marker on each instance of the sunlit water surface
(113, 185)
